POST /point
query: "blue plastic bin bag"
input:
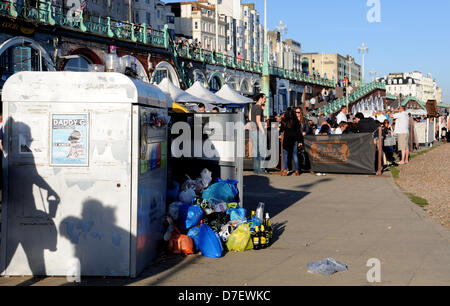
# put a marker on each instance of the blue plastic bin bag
(189, 216)
(195, 214)
(194, 233)
(210, 244)
(220, 191)
(237, 214)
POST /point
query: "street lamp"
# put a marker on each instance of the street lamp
(265, 88)
(282, 28)
(349, 69)
(217, 25)
(363, 49)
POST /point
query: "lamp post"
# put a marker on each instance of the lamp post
(363, 49)
(217, 25)
(265, 89)
(349, 65)
(282, 28)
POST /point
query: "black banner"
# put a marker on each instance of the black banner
(351, 153)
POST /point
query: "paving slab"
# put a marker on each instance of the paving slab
(350, 218)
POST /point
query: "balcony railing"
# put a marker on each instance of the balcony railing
(48, 13)
(335, 105)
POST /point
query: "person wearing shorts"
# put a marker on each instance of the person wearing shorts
(402, 132)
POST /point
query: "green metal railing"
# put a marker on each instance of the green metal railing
(334, 106)
(46, 12)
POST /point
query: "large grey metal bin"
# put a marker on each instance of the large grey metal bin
(228, 146)
(84, 174)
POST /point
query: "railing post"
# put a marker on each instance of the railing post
(166, 36)
(82, 26)
(380, 151)
(144, 33)
(109, 31)
(50, 18)
(12, 9)
(133, 35)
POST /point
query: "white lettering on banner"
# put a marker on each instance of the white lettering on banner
(374, 14)
(68, 122)
(374, 274)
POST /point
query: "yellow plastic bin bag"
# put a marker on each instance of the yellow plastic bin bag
(240, 240)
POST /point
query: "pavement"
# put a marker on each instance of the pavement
(353, 218)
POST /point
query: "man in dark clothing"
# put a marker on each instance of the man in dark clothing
(366, 125)
(258, 136)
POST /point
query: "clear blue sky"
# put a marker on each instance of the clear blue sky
(412, 35)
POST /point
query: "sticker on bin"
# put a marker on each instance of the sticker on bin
(69, 140)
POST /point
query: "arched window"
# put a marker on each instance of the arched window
(160, 75)
(19, 58)
(244, 87)
(164, 70)
(79, 63)
(214, 84)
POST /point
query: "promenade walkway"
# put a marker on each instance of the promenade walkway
(350, 218)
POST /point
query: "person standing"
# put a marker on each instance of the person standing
(292, 139)
(304, 126)
(258, 134)
(342, 116)
(402, 132)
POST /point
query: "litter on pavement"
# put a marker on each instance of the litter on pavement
(207, 217)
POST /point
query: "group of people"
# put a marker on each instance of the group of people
(294, 126)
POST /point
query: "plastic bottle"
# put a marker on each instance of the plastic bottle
(268, 226)
(260, 212)
(255, 238)
(263, 237)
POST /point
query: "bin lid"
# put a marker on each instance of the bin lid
(82, 87)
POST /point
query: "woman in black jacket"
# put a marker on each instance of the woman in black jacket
(292, 139)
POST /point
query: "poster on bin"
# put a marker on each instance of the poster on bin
(69, 142)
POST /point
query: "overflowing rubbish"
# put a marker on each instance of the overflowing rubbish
(327, 266)
(208, 215)
(180, 244)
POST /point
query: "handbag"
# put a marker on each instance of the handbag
(389, 141)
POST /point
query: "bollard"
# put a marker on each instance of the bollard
(380, 151)
(282, 153)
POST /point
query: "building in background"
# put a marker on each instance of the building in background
(333, 65)
(293, 55)
(252, 46)
(196, 20)
(414, 84)
(439, 95)
(240, 31)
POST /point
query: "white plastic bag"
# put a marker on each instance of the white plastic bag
(260, 212)
(327, 266)
(206, 176)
